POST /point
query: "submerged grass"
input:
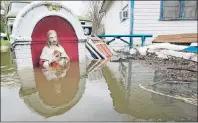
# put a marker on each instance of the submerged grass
(5, 42)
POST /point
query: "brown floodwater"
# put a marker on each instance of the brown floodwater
(90, 91)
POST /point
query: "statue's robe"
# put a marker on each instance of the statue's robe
(47, 57)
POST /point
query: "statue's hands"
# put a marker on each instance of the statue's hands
(56, 56)
(56, 59)
(57, 53)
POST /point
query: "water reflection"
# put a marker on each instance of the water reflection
(140, 104)
(6, 63)
(107, 91)
(173, 87)
(94, 69)
(56, 91)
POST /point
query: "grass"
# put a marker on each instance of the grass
(5, 42)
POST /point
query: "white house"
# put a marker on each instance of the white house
(149, 17)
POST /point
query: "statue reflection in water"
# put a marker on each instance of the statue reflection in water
(57, 85)
(56, 92)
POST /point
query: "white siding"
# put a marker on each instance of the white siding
(113, 25)
(146, 20)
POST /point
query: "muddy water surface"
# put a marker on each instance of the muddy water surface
(91, 91)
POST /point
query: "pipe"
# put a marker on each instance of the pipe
(131, 22)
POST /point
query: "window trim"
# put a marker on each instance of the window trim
(123, 8)
(181, 18)
(127, 5)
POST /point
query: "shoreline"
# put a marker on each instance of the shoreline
(176, 68)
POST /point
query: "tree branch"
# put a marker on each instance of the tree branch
(93, 11)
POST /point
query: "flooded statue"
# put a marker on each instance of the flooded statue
(53, 54)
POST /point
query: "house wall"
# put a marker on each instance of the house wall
(113, 25)
(146, 20)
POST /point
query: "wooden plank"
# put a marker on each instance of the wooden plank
(103, 48)
(177, 38)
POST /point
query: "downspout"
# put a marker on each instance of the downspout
(182, 9)
(131, 22)
(161, 9)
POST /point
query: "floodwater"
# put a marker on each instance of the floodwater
(89, 91)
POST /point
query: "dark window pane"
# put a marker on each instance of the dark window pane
(83, 23)
(190, 9)
(171, 12)
(190, 13)
(171, 3)
(190, 3)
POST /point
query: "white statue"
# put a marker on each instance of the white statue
(53, 54)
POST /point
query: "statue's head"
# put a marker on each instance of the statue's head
(52, 38)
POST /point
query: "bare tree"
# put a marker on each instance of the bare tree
(4, 7)
(93, 11)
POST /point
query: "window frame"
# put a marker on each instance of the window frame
(181, 16)
(126, 7)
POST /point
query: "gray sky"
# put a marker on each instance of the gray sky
(77, 7)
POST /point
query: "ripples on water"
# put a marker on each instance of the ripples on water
(91, 91)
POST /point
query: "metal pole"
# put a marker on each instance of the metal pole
(131, 23)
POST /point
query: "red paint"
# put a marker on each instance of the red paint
(66, 35)
(102, 47)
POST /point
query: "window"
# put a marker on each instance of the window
(83, 23)
(190, 10)
(123, 15)
(10, 26)
(178, 10)
(4, 38)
